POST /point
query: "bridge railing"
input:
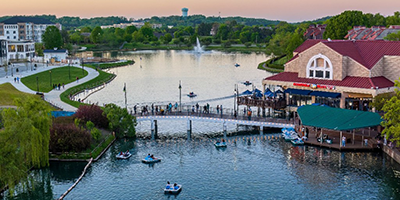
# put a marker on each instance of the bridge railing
(201, 111)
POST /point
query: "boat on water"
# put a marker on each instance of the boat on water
(220, 144)
(151, 160)
(192, 94)
(237, 65)
(172, 189)
(125, 155)
(247, 83)
(289, 134)
(297, 141)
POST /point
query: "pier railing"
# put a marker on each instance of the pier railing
(267, 103)
(212, 112)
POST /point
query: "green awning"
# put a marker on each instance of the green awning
(336, 118)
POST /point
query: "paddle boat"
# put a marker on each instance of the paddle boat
(237, 65)
(219, 144)
(172, 189)
(289, 134)
(297, 141)
(122, 155)
(151, 159)
(191, 94)
(247, 83)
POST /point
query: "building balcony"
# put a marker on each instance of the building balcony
(276, 104)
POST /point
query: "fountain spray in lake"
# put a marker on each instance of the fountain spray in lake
(198, 48)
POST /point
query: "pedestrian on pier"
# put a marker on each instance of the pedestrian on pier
(220, 107)
(244, 111)
(197, 107)
(192, 109)
(134, 109)
(343, 141)
(208, 108)
(152, 109)
(217, 109)
(176, 105)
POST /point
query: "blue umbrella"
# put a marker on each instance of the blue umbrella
(247, 92)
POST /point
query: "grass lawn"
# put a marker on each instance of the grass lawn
(8, 93)
(102, 78)
(57, 75)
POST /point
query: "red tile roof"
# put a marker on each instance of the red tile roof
(365, 52)
(349, 81)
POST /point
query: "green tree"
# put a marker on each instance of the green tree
(76, 38)
(393, 36)
(295, 41)
(223, 32)
(120, 121)
(167, 38)
(52, 38)
(130, 29)
(338, 25)
(96, 34)
(24, 141)
(391, 121)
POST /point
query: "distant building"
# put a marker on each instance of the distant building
(20, 50)
(373, 33)
(185, 12)
(25, 28)
(136, 24)
(214, 29)
(55, 55)
(315, 31)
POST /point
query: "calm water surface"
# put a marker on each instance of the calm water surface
(251, 167)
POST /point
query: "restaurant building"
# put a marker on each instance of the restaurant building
(339, 73)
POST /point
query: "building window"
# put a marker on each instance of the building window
(7, 32)
(319, 66)
(14, 32)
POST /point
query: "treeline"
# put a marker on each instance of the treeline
(338, 25)
(74, 22)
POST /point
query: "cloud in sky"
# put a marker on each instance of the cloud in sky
(288, 10)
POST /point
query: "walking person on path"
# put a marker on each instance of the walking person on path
(221, 109)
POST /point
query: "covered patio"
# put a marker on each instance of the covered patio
(326, 127)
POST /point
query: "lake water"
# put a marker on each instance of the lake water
(251, 167)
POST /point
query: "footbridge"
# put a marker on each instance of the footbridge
(210, 115)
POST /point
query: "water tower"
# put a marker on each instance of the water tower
(185, 12)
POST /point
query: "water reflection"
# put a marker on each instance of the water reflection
(265, 167)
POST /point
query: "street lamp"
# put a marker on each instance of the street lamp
(69, 70)
(50, 79)
(37, 83)
(234, 100)
(82, 67)
(180, 97)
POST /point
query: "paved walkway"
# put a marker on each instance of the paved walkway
(53, 96)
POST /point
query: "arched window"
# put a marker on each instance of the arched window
(319, 66)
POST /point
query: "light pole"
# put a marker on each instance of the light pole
(50, 79)
(37, 83)
(180, 97)
(82, 67)
(69, 70)
(234, 101)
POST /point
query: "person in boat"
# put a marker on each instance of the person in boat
(176, 186)
(148, 156)
(121, 153)
(217, 142)
(168, 185)
(223, 141)
(152, 156)
(127, 152)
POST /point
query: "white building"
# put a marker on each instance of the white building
(25, 28)
(20, 50)
(55, 55)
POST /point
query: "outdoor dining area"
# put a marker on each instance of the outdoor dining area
(341, 129)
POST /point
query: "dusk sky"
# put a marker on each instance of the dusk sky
(287, 10)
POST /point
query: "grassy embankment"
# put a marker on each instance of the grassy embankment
(8, 93)
(57, 75)
(274, 65)
(101, 79)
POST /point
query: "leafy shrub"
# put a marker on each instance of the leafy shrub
(95, 133)
(89, 125)
(68, 137)
(92, 113)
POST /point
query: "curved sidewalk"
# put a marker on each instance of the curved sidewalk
(53, 96)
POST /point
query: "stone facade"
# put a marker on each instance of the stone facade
(391, 68)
